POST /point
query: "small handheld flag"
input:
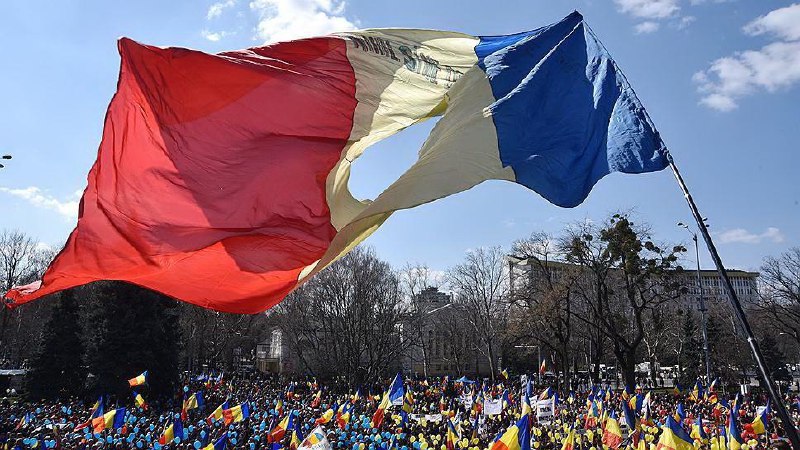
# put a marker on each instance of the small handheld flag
(138, 380)
(139, 400)
(761, 422)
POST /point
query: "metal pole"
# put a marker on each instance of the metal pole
(539, 369)
(788, 424)
(703, 310)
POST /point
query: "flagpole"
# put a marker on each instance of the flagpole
(789, 426)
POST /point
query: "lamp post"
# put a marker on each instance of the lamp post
(4, 157)
(701, 301)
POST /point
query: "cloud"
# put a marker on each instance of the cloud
(646, 27)
(685, 22)
(281, 20)
(742, 236)
(216, 9)
(648, 9)
(783, 23)
(214, 36)
(775, 66)
(38, 198)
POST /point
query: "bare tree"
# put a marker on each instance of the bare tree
(18, 258)
(480, 285)
(414, 280)
(347, 319)
(542, 298)
(780, 296)
(22, 260)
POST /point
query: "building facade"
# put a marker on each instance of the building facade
(444, 343)
(523, 271)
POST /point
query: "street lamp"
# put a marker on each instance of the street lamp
(4, 157)
(701, 300)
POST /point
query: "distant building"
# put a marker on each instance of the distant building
(525, 270)
(445, 344)
(274, 356)
(745, 284)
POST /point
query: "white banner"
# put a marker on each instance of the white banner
(428, 417)
(493, 407)
(466, 400)
(545, 409)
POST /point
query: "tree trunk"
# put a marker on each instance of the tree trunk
(627, 363)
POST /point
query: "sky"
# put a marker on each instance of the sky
(721, 80)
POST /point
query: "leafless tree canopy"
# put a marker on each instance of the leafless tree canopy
(780, 278)
(481, 287)
(347, 319)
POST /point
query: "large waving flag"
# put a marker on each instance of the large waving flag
(218, 413)
(278, 127)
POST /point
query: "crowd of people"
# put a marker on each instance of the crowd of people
(268, 412)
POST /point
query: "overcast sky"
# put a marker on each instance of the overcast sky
(719, 78)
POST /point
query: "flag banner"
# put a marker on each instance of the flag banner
(222, 180)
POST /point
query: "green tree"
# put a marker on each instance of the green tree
(134, 330)
(57, 369)
(626, 277)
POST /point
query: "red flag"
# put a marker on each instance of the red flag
(210, 180)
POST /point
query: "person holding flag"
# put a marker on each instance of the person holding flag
(172, 432)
